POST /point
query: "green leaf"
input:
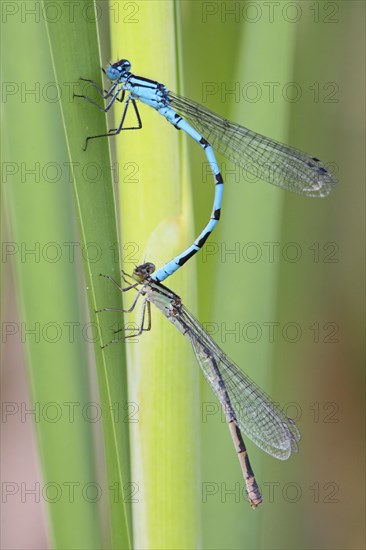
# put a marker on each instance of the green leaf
(40, 215)
(157, 223)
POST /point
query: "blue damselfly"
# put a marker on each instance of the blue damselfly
(267, 159)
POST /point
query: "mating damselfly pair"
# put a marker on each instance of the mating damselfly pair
(245, 405)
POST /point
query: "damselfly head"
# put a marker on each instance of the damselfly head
(118, 69)
(142, 272)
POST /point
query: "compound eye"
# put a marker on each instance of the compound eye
(150, 267)
(126, 65)
(118, 69)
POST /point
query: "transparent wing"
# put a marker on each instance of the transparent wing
(263, 157)
(257, 415)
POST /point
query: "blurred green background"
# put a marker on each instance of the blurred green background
(279, 285)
